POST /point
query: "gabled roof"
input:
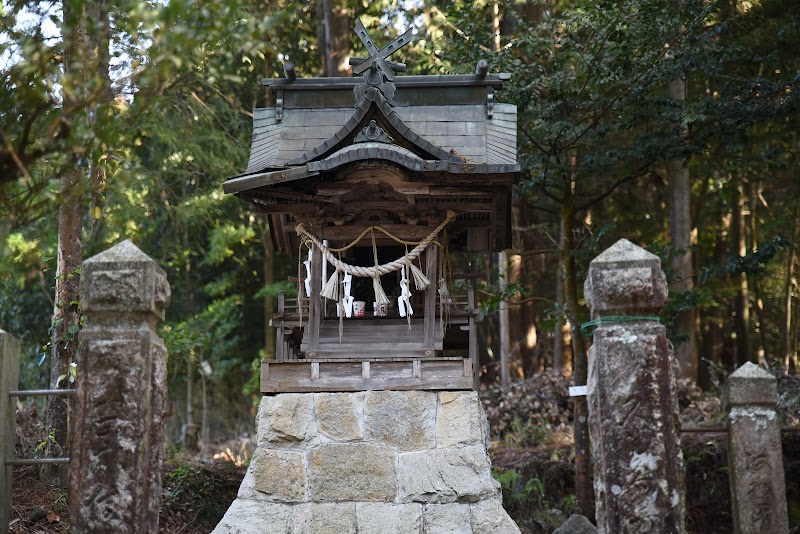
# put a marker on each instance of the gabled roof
(374, 106)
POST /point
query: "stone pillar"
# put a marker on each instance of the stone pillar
(633, 416)
(9, 380)
(755, 454)
(117, 419)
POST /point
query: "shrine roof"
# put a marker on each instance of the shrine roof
(435, 118)
(381, 146)
(462, 129)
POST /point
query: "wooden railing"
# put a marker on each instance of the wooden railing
(9, 378)
(292, 326)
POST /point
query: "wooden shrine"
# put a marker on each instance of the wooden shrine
(381, 177)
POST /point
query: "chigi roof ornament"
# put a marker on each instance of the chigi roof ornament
(379, 72)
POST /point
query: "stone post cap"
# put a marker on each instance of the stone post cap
(625, 280)
(750, 384)
(124, 279)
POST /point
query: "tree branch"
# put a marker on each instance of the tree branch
(639, 173)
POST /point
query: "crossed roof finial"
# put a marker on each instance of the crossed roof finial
(377, 58)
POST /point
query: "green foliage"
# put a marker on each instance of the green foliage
(183, 76)
(73, 373)
(751, 264)
(518, 490)
(222, 240)
(253, 385)
(568, 504)
(598, 129)
(680, 301)
(274, 289)
(536, 501)
(156, 50)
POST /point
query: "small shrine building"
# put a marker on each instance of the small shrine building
(375, 181)
(369, 422)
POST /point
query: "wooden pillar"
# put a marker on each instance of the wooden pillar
(431, 265)
(314, 304)
(280, 351)
(324, 277)
(505, 341)
(9, 380)
(473, 339)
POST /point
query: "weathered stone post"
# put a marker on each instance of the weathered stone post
(633, 416)
(755, 455)
(117, 439)
(9, 381)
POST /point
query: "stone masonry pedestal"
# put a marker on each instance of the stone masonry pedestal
(388, 462)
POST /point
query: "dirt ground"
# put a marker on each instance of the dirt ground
(197, 488)
(195, 498)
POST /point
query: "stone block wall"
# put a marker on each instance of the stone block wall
(370, 462)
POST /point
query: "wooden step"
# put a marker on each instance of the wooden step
(366, 350)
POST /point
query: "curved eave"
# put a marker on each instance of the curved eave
(245, 182)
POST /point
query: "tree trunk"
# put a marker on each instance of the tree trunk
(744, 352)
(101, 94)
(680, 231)
(333, 35)
(204, 432)
(505, 341)
(496, 24)
(714, 344)
(789, 356)
(66, 319)
(190, 429)
(583, 480)
(761, 350)
(66, 312)
(795, 362)
(558, 334)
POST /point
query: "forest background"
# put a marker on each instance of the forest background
(673, 124)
